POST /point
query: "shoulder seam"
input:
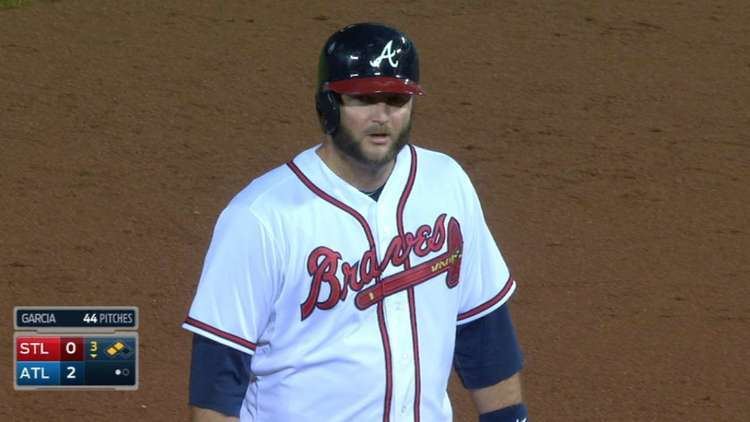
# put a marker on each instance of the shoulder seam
(270, 188)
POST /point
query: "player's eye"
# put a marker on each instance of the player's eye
(397, 100)
(393, 100)
(357, 100)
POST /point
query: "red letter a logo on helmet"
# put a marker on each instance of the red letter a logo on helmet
(387, 53)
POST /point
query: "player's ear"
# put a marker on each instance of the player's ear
(327, 105)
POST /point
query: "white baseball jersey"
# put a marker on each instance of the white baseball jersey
(349, 305)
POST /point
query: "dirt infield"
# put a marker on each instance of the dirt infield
(610, 146)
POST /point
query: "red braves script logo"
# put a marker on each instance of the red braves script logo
(323, 266)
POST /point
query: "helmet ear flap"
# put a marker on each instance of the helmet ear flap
(327, 106)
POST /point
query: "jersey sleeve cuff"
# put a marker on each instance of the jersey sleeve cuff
(219, 336)
(493, 303)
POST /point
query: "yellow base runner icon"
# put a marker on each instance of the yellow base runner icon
(116, 348)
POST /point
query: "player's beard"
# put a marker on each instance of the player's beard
(346, 142)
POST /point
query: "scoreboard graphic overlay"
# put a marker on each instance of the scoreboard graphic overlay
(76, 347)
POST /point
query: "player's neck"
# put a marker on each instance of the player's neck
(363, 177)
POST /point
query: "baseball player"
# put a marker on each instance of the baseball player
(344, 285)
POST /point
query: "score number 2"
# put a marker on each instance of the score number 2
(71, 372)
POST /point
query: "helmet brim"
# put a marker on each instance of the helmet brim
(375, 85)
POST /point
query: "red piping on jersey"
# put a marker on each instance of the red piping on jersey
(388, 364)
(381, 315)
(328, 198)
(486, 305)
(415, 348)
(410, 291)
(223, 334)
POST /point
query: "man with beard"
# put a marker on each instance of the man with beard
(344, 285)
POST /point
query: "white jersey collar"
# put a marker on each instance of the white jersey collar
(316, 170)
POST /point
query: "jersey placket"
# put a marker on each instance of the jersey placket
(388, 215)
(397, 320)
(379, 222)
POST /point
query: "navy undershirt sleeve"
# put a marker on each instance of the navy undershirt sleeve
(219, 376)
(487, 350)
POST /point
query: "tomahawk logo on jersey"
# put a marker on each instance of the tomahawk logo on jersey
(320, 282)
(323, 266)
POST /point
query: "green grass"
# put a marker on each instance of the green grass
(9, 4)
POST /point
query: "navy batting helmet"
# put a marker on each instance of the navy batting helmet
(364, 58)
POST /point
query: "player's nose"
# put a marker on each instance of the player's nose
(379, 112)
